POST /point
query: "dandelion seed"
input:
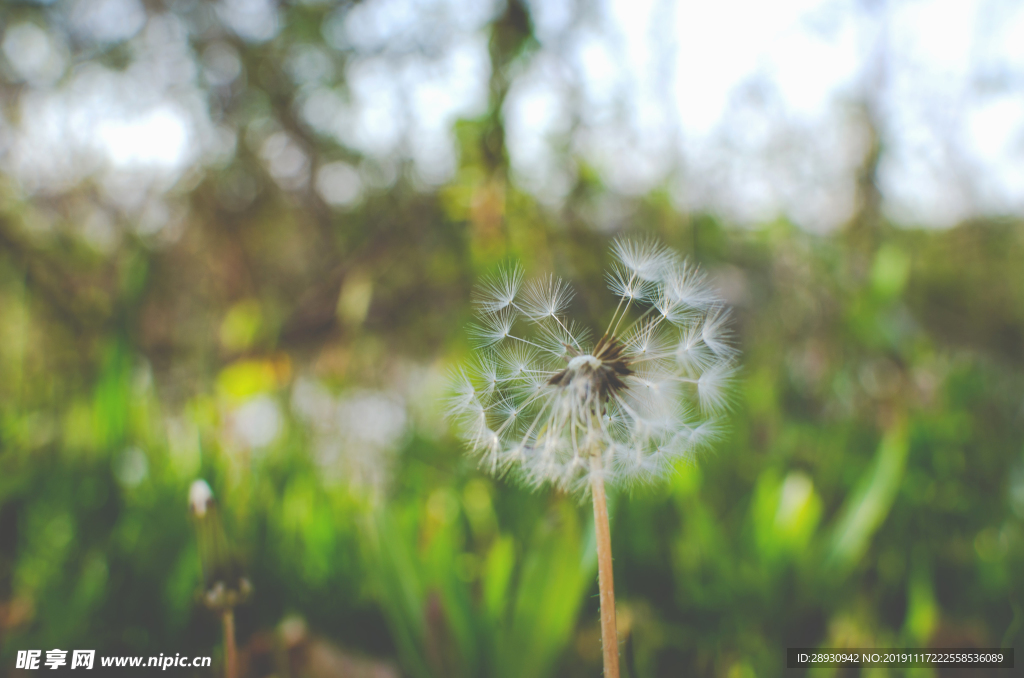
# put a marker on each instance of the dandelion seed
(517, 361)
(486, 373)
(500, 290)
(715, 332)
(712, 387)
(646, 342)
(625, 283)
(546, 298)
(692, 353)
(492, 328)
(464, 397)
(705, 433)
(687, 286)
(646, 258)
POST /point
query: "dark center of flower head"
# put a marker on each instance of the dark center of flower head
(602, 371)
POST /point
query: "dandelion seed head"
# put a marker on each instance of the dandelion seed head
(548, 405)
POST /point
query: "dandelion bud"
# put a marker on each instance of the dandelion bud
(224, 583)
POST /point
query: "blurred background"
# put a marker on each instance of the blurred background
(238, 241)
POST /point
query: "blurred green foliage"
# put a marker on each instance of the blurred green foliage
(870, 491)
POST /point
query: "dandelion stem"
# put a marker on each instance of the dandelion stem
(230, 652)
(619, 322)
(606, 583)
(645, 314)
(567, 332)
(615, 315)
(526, 341)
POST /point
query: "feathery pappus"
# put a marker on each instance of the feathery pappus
(549, 402)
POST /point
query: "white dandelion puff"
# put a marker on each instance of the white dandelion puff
(550, 405)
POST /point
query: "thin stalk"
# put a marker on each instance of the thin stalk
(230, 652)
(621, 317)
(605, 580)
